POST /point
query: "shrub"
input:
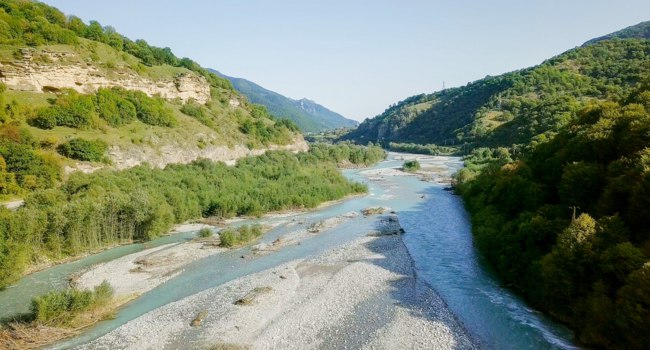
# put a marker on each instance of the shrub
(115, 105)
(231, 237)
(75, 110)
(90, 211)
(152, 110)
(45, 118)
(228, 237)
(103, 294)
(59, 308)
(48, 142)
(199, 112)
(411, 165)
(205, 232)
(80, 149)
(114, 108)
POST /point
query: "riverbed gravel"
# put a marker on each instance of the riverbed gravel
(361, 295)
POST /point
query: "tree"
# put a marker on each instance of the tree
(633, 309)
(94, 31)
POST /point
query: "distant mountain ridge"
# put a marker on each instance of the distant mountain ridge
(638, 31)
(520, 107)
(307, 114)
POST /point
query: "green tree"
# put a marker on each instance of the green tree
(633, 309)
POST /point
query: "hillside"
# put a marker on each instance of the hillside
(520, 107)
(557, 179)
(563, 217)
(82, 96)
(566, 225)
(639, 31)
(307, 114)
(158, 139)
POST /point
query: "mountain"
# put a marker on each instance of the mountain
(639, 31)
(307, 114)
(79, 96)
(559, 205)
(519, 107)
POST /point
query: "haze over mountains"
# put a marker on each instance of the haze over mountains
(307, 114)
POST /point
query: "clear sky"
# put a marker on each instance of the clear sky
(357, 57)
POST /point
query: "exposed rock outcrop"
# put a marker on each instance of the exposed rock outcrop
(177, 154)
(51, 75)
(171, 154)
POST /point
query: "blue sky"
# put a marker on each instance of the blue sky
(357, 57)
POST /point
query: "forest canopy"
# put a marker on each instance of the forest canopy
(567, 224)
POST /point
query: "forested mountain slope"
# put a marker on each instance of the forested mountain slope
(307, 114)
(557, 183)
(519, 107)
(567, 224)
(82, 96)
(639, 31)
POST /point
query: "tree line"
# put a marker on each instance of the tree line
(91, 211)
(34, 23)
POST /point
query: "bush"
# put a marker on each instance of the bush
(59, 308)
(90, 211)
(45, 118)
(232, 237)
(228, 237)
(201, 113)
(151, 110)
(75, 110)
(103, 294)
(115, 105)
(205, 232)
(411, 166)
(114, 108)
(80, 149)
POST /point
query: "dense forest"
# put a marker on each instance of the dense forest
(556, 178)
(567, 224)
(520, 107)
(91, 211)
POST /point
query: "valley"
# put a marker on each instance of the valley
(148, 202)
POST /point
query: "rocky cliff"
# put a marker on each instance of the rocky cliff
(50, 73)
(123, 158)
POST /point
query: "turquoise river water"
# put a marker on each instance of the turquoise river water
(438, 236)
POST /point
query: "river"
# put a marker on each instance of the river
(438, 237)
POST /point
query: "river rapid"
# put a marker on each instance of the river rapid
(438, 238)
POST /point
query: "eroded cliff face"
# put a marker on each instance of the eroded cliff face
(123, 158)
(27, 74)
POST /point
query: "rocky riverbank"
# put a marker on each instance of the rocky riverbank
(363, 294)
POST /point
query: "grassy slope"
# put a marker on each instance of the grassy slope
(226, 120)
(189, 132)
